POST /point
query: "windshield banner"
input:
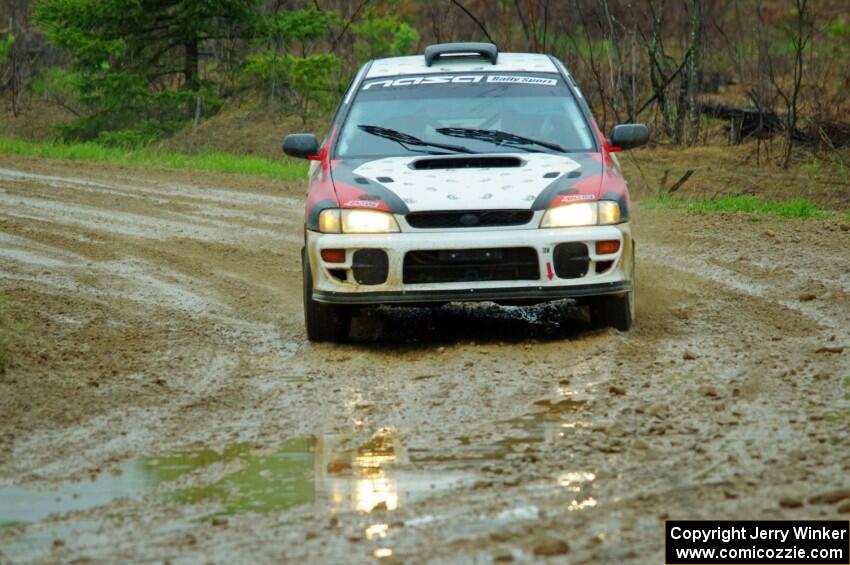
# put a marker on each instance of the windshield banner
(461, 79)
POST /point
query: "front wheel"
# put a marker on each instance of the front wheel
(612, 311)
(615, 311)
(324, 322)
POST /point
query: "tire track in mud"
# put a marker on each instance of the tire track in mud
(165, 314)
(133, 281)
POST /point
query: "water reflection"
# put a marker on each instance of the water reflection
(361, 478)
(377, 474)
(327, 470)
(267, 479)
(377, 531)
(581, 505)
(331, 471)
(572, 480)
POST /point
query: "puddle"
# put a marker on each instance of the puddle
(39, 541)
(265, 479)
(23, 504)
(333, 473)
(325, 471)
(330, 472)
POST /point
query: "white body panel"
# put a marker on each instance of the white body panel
(473, 188)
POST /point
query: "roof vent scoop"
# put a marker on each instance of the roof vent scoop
(453, 50)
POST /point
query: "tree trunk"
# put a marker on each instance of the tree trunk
(191, 63)
(799, 41)
(682, 109)
(694, 69)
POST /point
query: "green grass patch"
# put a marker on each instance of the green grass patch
(282, 169)
(801, 208)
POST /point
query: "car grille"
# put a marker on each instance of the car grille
(471, 265)
(469, 219)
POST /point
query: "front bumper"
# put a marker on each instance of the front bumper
(509, 294)
(616, 278)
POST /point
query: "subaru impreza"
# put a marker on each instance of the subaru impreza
(465, 174)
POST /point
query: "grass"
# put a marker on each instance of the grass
(801, 208)
(283, 169)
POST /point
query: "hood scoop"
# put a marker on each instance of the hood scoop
(466, 162)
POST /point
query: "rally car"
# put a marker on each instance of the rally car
(465, 174)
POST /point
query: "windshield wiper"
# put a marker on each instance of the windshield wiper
(499, 138)
(406, 139)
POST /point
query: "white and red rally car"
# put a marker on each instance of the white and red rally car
(465, 175)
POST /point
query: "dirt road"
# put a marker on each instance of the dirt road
(163, 403)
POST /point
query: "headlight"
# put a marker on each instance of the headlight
(609, 212)
(368, 221)
(582, 214)
(356, 221)
(329, 221)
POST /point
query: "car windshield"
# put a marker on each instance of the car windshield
(464, 113)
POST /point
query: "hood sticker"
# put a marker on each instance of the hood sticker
(361, 204)
(574, 197)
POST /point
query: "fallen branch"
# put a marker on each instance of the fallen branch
(681, 181)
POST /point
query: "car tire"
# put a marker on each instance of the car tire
(612, 311)
(324, 322)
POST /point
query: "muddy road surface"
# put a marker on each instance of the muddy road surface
(162, 403)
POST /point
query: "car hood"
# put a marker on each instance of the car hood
(536, 181)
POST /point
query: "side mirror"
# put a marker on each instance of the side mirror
(301, 145)
(629, 136)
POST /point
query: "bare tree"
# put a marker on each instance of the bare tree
(615, 60)
(799, 33)
(658, 65)
(591, 63)
(687, 108)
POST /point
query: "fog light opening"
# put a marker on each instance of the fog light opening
(603, 266)
(607, 247)
(339, 274)
(333, 255)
